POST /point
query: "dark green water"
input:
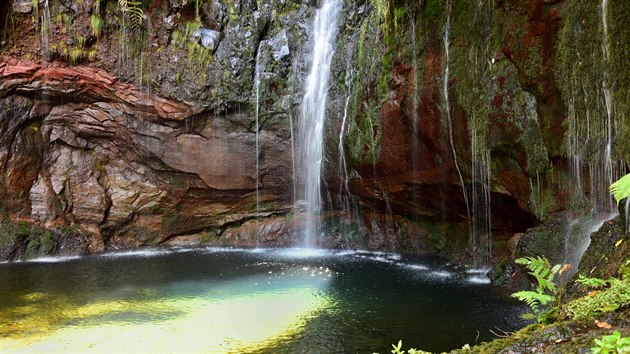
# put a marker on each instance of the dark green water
(263, 301)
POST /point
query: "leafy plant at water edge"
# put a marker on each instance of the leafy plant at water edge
(546, 292)
(397, 349)
(613, 343)
(621, 188)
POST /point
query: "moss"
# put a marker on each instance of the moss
(583, 70)
(35, 241)
(616, 296)
(364, 130)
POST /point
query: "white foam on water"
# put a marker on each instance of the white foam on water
(52, 259)
(149, 252)
(442, 273)
(415, 266)
(477, 270)
(478, 280)
(302, 252)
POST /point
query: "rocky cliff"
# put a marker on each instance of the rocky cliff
(447, 121)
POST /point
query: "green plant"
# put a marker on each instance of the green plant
(621, 188)
(591, 282)
(135, 12)
(76, 54)
(613, 343)
(397, 349)
(609, 299)
(96, 22)
(546, 291)
(92, 55)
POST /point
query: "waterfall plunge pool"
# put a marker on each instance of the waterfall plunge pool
(218, 300)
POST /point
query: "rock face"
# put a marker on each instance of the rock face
(447, 121)
(128, 167)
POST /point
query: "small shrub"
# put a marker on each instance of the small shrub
(613, 343)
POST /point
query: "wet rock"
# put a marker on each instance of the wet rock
(207, 38)
(23, 6)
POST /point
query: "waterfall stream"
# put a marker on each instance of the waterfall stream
(447, 107)
(313, 114)
(608, 163)
(45, 29)
(257, 89)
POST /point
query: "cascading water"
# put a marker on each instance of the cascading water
(481, 202)
(608, 163)
(415, 102)
(343, 167)
(257, 127)
(313, 114)
(447, 107)
(585, 129)
(45, 29)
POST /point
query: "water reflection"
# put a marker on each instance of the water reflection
(235, 300)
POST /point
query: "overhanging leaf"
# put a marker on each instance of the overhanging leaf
(621, 189)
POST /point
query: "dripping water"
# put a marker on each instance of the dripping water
(448, 108)
(257, 127)
(608, 99)
(45, 30)
(313, 114)
(415, 102)
(481, 202)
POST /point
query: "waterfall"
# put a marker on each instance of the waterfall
(481, 202)
(313, 114)
(257, 122)
(343, 167)
(608, 99)
(577, 238)
(447, 107)
(415, 102)
(45, 30)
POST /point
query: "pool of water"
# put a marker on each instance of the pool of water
(256, 301)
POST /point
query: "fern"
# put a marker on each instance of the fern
(136, 14)
(534, 299)
(546, 291)
(621, 188)
(540, 268)
(591, 282)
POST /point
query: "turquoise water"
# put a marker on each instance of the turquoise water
(257, 301)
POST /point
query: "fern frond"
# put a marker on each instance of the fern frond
(123, 5)
(591, 282)
(136, 14)
(534, 299)
(540, 268)
(621, 188)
